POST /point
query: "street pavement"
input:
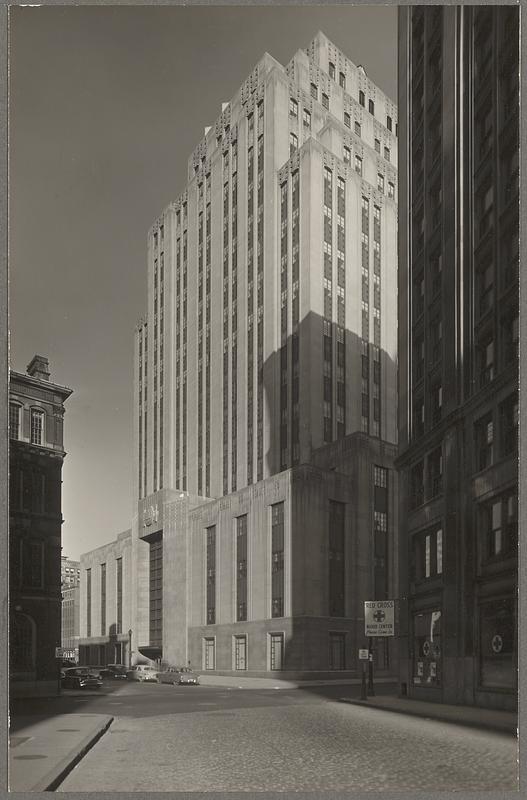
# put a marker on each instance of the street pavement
(208, 738)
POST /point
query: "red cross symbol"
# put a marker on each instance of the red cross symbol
(379, 616)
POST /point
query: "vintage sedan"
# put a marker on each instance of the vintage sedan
(178, 676)
(79, 678)
(142, 673)
(115, 671)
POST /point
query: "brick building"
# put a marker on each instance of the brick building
(36, 454)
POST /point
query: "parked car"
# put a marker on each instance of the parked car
(178, 676)
(115, 671)
(142, 672)
(80, 678)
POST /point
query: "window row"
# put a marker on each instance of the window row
(117, 624)
(276, 652)
(37, 424)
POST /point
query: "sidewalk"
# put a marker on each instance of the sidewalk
(235, 682)
(471, 716)
(42, 752)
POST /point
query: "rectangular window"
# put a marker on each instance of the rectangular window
(509, 425)
(435, 473)
(37, 426)
(331, 70)
(336, 558)
(293, 107)
(325, 100)
(347, 120)
(211, 575)
(209, 653)
(377, 146)
(357, 128)
(277, 560)
(306, 118)
(88, 603)
(337, 649)
(428, 554)
(391, 190)
(387, 153)
(33, 563)
(342, 80)
(14, 421)
(371, 106)
(499, 526)
(240, 652)
(358, 165)
(380, 477)
(119, 568)
(347, 155)
(293, 143)
(314, 91)
(276, 643)
(389, 123)
(484, 437)
(241, 568)
(103, 599)
(156, 591)
(362, 98)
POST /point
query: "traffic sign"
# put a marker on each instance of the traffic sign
(363, 655)
(59, 651)
(379, 618)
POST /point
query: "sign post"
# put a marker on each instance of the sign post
(371, 690)
(378, 621)
(363, 657)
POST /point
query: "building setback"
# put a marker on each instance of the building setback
(36, 454)
(270, 335)
(458, 352)
(105, 603)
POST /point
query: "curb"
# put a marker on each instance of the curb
(55, 777)
(506, 728)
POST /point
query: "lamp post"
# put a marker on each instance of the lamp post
(130, 649)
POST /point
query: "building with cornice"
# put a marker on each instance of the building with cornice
(268, 342)
(36, 455)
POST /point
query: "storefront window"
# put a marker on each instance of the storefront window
(427, 648)
(496, 643)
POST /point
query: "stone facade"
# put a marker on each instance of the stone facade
(265, 381)
(105, 604)
(36, 454)
(458, 353)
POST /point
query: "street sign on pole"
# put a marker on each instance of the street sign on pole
(379, 618)
(59, 652)
(363, 654)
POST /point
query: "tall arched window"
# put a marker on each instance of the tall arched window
(37, 426)
(14, 421)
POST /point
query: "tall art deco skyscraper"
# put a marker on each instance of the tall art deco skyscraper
(269, 344)
(458, 351)
(271, 280)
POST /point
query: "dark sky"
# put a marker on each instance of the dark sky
(106, 104)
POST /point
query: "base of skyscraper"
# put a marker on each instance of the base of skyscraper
(269, 579)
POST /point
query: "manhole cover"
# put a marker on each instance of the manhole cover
(28, 758)
(14, 741)
(68, 730)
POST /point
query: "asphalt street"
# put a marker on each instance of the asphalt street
(167, 738)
